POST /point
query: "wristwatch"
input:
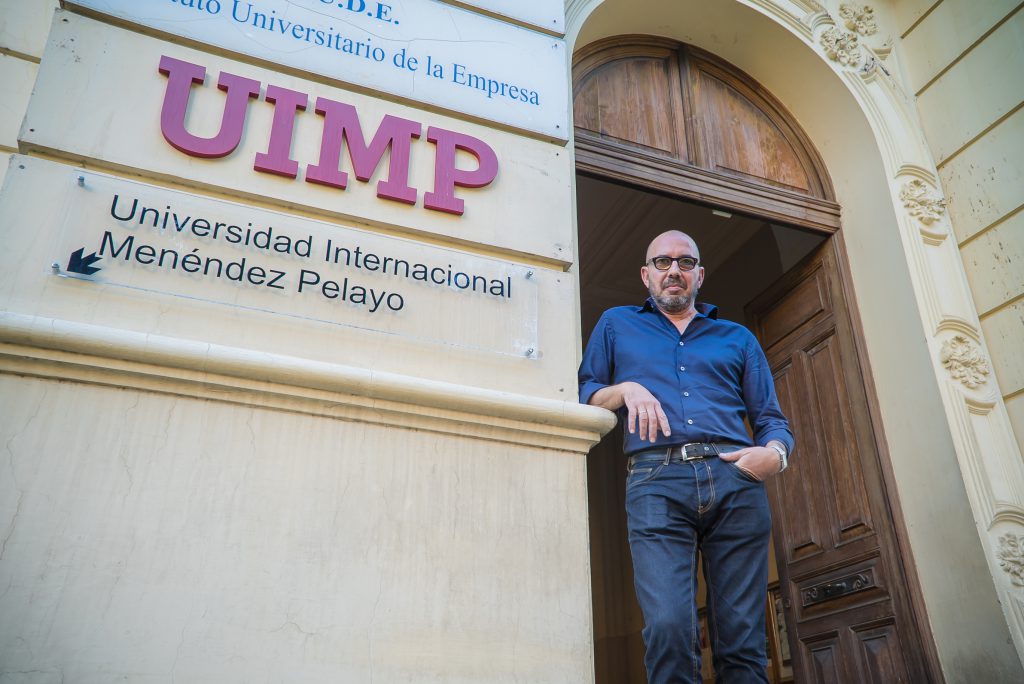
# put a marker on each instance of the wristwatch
(783, 456)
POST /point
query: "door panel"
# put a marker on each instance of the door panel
(851, 513)
(843, 584)
(742, 138)
(808, 302)
(825, 657)
(799, 520)
(880, 649)
(629, 95)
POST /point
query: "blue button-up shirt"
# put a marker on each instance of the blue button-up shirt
(708, 380)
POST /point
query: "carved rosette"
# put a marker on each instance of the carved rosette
(858, 18)
(965, 362)
(1011, 557)
(841, 47)
(922, 205)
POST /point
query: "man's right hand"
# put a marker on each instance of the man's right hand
(644, 412)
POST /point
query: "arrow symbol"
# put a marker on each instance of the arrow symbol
(82, 264)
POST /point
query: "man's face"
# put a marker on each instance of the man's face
(674, 290)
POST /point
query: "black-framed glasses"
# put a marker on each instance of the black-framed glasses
(663, 263)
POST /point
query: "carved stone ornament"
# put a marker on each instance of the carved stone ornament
(870, 65)
(922, 205)
(964, 362)
(841, 47)
(859, 18)
(1011, 557)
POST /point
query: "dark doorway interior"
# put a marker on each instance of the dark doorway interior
(742, 256)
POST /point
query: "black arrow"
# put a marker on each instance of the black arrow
(84, 265)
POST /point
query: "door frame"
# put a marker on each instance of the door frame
(956, 496)
(615, 163)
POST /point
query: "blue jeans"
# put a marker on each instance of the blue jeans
(674, 511)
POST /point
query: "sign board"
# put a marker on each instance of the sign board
(548, 15)
(422, 50)
(113, 77)
(148, 241)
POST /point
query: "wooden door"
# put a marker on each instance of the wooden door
(844, 587)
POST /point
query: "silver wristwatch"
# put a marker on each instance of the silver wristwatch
(783, 456)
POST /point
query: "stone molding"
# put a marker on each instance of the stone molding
(60, 349)
(965, 362)
(858, 18)
(922, 205)
(923, 201)
(846, 48)
(841, 47)
(1011, 557)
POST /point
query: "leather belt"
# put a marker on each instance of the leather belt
(683, 453)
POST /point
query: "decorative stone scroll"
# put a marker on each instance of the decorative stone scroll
(841, 47)
(859, 18)
(923, 206)
(965, 362)
(872, 65)
(1011, 557)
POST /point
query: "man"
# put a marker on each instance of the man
(684, 382)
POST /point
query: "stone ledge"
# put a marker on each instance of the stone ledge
(68, 350)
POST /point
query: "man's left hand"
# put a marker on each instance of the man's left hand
(759, 463)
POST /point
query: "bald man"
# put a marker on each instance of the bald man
(683, 382)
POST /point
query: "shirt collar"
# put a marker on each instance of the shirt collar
(703, 309)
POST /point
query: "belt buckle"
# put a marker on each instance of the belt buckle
(704, 451)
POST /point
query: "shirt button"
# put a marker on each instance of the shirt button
(690, 421)
(682, 344)
(686, 394)
(682, 368)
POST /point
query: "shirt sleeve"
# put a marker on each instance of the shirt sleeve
(598, 365)
(763, 411)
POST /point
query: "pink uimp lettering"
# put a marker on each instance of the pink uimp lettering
(180, 77)
(447, 176)
(277, 158)
(341, 122)
(340, 127)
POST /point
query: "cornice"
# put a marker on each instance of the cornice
(62, 349)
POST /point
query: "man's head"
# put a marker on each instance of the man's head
(674, 289)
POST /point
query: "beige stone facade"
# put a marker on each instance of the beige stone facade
(232, 491)
(960, 61)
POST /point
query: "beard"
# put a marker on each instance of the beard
(673, 304)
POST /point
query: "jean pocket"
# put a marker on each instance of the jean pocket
(744, 475)
(644, 473)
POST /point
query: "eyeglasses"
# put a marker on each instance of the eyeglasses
(663, 263)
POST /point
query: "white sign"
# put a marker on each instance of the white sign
(548, 15)
(114, 233)
(422, 50)
(95, 68)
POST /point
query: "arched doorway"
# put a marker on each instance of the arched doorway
(670, 136)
